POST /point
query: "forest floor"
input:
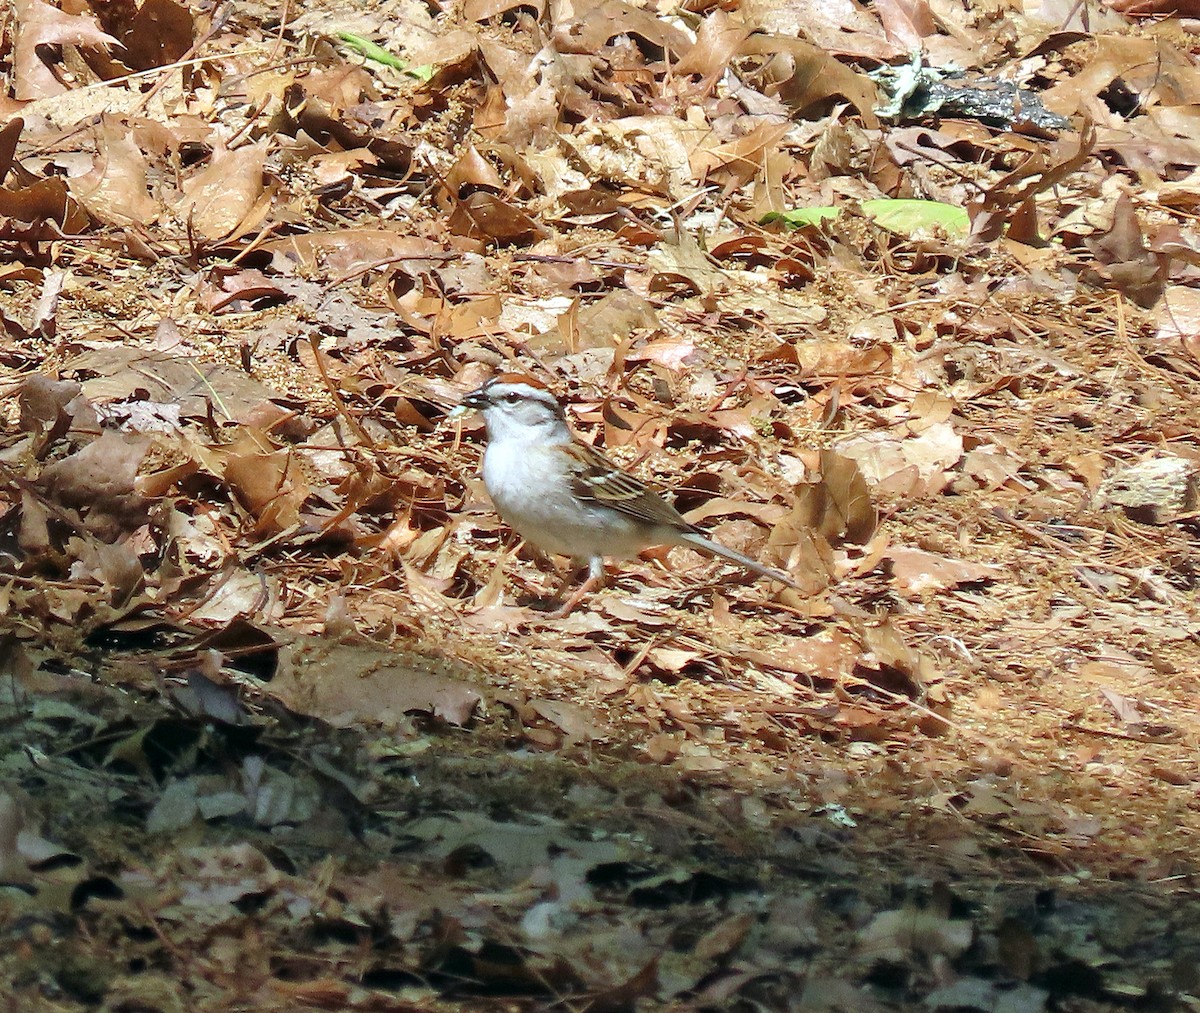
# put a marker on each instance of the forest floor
(284, 720)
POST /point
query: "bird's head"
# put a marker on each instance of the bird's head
(515, 406)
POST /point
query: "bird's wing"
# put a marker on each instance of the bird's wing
(596, 479)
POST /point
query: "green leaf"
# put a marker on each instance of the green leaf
(907, 217)
(799, 217)
(904, 217)
(378, 54)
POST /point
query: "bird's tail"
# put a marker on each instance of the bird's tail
(697, 541)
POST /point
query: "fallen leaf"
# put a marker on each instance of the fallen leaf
(916, 572)
(99, 481)
(350, 685)
(39, 24)
(220, 199)
(116, 190)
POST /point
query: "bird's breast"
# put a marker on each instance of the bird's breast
(532, 493)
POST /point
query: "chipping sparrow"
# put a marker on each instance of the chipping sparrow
(566, 497)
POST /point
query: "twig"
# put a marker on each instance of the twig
(1075, 726)
(356, 427)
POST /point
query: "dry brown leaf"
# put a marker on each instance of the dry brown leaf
(40, 24)
(236, 593)
(725, 937)
(718, 40)
(673, 353)
(1125, 708)
(837, 505)
(916, 466)
(832, 359)
(811, 78)
(906, 23)
(611, 320)
(99, 481)
(47, 200)
(664, 747)
(1178, 317)
(10, 134)
(33, 534)
(827, 658)
(115, 191)
(49, 408)
(916, 572)
(992, 470)
(192, 388)
(470, 171)
(239, 291)
(895, 935)
(1123, 261)
(839, 27)
(485, 216)
(161, 32)
(268, 482)
(578, 724)
(736, 162)
(595, 22)
(350, 685)
(222, 196)
(115, 567)
(893, 664)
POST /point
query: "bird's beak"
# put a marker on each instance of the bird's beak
(474, 401)
(477, 399)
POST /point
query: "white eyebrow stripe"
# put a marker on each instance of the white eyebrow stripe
(526, 391)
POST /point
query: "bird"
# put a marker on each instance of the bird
(565, 497)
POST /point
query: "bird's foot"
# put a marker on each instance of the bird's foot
(593, 583)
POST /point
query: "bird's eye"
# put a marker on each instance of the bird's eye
(512, 398)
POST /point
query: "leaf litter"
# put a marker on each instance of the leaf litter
(285, 723)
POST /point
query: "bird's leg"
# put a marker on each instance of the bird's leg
(545, 562)
(595, 580)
